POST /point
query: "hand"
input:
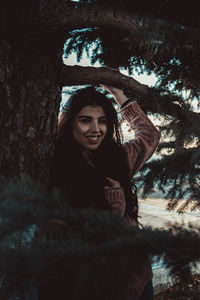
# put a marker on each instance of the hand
(115, 196)
(113, 183)
(112, 90)
(117, 93)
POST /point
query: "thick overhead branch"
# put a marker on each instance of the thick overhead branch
(77, 75)
(70, 16)
(67, 16)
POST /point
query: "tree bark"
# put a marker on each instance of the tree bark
(29, 102)
(31, 76)
(78, 75)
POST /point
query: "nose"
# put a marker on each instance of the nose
(95, 127)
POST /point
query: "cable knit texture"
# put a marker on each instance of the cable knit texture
(139, 150)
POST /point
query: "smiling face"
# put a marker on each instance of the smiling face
(90, 128)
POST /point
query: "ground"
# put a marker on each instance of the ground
(189, 292)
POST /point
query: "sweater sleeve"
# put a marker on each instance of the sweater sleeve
(141, 147)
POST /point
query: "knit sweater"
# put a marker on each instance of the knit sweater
(139, 150)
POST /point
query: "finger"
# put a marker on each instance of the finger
(106, 187)
(114, 183)
(106, 87)
(111, 179)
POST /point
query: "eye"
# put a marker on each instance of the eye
(85, 121)
(102, 121)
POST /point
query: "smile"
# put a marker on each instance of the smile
(93, 138)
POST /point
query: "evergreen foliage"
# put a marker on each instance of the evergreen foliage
(160, 37)
(40, 234)
(166, 42)
(43, 237)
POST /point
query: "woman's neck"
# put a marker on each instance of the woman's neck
(88, 157)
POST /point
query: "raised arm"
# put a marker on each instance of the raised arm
(146, 136)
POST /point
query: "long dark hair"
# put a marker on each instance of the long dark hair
(71, 172)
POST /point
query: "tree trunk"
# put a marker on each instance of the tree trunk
(29, 103)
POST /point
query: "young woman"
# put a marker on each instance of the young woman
(91, 165)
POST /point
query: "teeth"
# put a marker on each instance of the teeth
(93, 138)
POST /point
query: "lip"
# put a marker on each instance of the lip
(93, 135)
(91, 141)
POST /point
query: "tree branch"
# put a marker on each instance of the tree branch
(68, 16)
(78, 75)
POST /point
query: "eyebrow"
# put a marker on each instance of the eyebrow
(88, 117)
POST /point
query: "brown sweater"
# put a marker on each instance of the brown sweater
(139, 150)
